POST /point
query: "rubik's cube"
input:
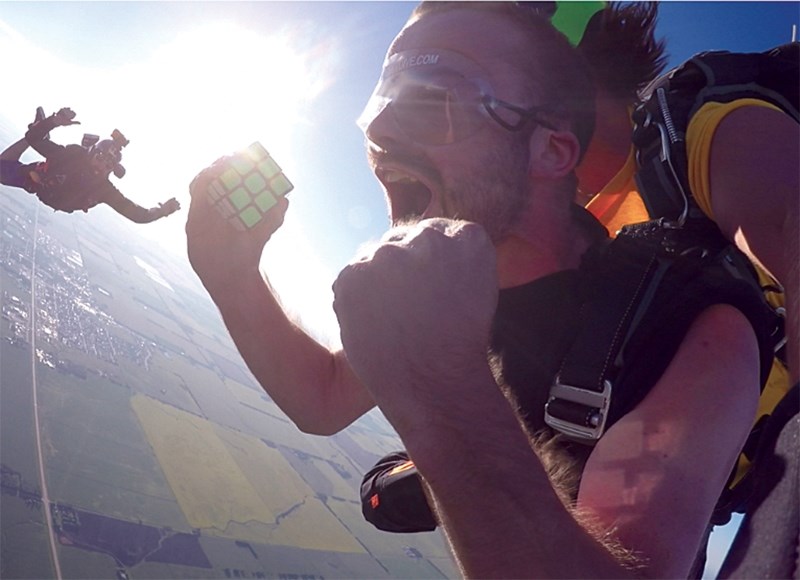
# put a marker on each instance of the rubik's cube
(248, 187)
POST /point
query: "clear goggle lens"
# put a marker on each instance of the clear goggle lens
(435, 97)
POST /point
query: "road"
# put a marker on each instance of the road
(40, 457)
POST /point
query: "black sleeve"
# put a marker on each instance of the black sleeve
(37, 138)
(392, 498)
(125, 207)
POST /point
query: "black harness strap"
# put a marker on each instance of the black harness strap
(580, 397)
(647, 287)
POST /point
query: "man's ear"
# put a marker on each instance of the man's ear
(553, 153)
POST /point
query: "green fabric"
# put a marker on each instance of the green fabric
(571, 18)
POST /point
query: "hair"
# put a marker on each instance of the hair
(563, 461)
(622, 50)
(558, 75)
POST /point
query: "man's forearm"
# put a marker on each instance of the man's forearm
(315, 387)
(495, 500)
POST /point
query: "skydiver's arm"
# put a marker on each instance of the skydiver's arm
(647, 491)
(315, 387)
(136, 213)
(755, 196)
(37, 133)
(14, 151)
(37, 137)
(656, 474)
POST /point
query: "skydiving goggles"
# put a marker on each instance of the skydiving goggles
(438, 97)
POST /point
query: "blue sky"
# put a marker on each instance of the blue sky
(188, 82)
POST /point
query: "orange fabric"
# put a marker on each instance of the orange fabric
(402, 467)
(619, 203)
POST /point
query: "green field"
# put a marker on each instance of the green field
(98, 457)
(24, 548)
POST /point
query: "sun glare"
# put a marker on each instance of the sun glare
(228, 87)
(229, 84)
(213, 90)
(207, 92)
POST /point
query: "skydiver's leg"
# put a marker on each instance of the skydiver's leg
(14, 152)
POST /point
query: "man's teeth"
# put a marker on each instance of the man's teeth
(395, 177)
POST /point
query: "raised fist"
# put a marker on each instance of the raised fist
(415, 312)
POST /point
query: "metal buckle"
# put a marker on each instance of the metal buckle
(598, 401)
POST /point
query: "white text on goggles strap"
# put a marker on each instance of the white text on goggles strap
(435, 98)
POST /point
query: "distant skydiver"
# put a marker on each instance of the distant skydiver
(74, 177)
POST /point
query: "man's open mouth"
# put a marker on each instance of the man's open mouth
(409, 197)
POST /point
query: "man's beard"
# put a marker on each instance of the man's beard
(493, 194)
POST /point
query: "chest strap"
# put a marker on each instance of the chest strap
(636, 283)
(580, 397)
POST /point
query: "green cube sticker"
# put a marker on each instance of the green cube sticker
(280, 185)
(239, 198)
(230, 179)
(244, 191)
(265, 201)
(256, 152)
(241, 165)
(255, 183)
(251, 216)
(268, 167)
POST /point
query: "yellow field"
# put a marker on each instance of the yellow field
(232, 485)
(303, 520)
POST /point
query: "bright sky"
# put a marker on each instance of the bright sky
(187, 82)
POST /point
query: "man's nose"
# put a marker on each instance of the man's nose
(383, 129)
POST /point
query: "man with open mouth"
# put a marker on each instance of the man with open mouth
(456, 322)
